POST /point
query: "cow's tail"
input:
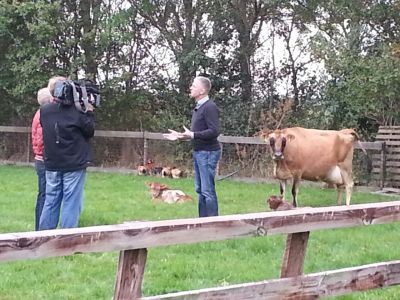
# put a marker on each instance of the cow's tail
(358, 142)
(356, 139)
(360, 145)
(351, 131)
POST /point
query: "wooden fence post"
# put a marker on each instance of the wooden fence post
(145, 148)
(128, 284)
(383, 165)
(222, 149)
(28, 149)
(295, 251)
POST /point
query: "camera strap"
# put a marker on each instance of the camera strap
(76, 96)
(84, 97)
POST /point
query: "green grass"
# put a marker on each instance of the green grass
(116, 198)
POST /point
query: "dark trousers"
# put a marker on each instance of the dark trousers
(41, 173)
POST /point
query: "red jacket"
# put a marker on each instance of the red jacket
(37, 137)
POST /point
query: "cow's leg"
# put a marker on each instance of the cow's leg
(295, 190)
(282, 188)
(348, 184)
(349, 191)
(339, 190)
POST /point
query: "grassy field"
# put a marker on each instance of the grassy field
(116, 198)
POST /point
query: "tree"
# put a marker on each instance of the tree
(26, 56)
(247, 18)
(355, 41)
(181, 27)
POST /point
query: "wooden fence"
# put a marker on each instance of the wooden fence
(134, 239)
(378, 147)
(391, 137)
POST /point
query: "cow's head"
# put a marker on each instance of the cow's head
(277, 139)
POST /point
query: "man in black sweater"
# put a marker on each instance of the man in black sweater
(67, 154)
(204, 133)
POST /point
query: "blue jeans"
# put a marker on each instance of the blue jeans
(41, 196)
(65, 187)
(205, 163)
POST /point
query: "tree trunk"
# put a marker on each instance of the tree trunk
(187, 69)
(88, 11)
(245, 54)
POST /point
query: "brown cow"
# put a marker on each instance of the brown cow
(162, 192)
(166, 172)
(311, 154)
(277, 203)
(146, 169)
(176, 173)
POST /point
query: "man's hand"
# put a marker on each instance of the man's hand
(187, 134)
(89, 107)
(174, 132)
(175, 135)
(172, 135)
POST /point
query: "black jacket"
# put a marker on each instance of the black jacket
(66, 134)
(205, 127)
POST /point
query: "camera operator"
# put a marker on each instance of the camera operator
(67, 154)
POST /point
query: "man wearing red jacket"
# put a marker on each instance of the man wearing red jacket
(43, 97)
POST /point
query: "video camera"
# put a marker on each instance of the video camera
(79, 92)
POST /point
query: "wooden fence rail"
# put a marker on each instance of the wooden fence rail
(223, 139)
(306, 287)
(133, 239)
(227, 139)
